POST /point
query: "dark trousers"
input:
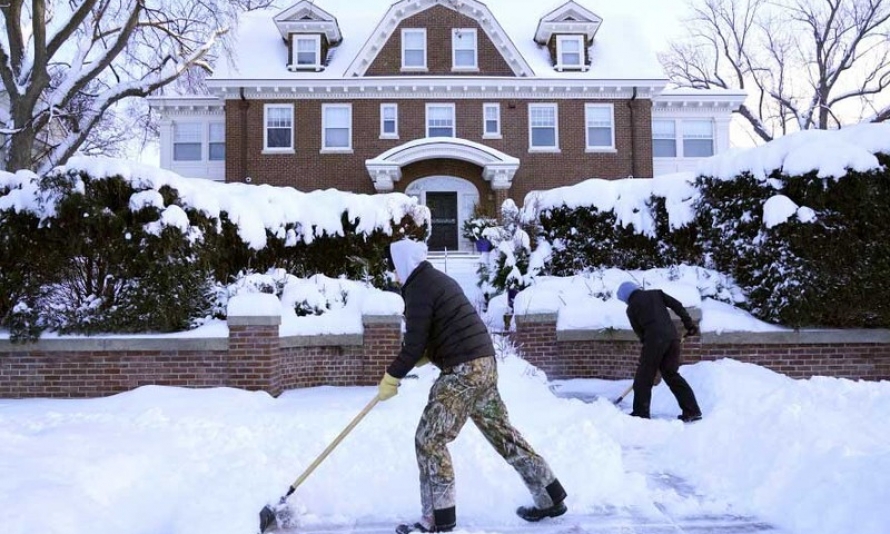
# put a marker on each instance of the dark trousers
(664, 356)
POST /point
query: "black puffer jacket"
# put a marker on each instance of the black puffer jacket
(440, 321)
(647, 311)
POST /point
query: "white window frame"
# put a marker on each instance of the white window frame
(395, 133)
(197, 127)
(295, 38)
(497, 110)
(415, 68)
(587, 112)
(335, 149)
(278, 150)
(682, 137)
(543, 105)
(442, 105)
(455, 39)
(560, 39)
(677, 149)
(211, 142)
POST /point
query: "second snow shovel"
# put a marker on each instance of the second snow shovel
(267, 514)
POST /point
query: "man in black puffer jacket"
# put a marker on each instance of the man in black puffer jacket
(648, 315)
(442, 326)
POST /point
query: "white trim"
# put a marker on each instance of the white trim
(324, 148)
(415, 68)
(570, 17)
(599, 148)
(404, 9)
(485, 133)
(555, 107)
(278, 150)
(437, 87)
(395, 133)
(581, 65)
(318, 65)
(292, 20)
(449, 105)
(455, 38)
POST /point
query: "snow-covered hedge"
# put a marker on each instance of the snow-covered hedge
(104, 245)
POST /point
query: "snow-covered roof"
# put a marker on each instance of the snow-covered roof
(622, 49)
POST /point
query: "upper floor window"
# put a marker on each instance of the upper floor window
(279, 127)
(569, 51)
(698, 138)
(543, 127)
(600, 126)
(187, 140)
(664, 138)
(217, 141)
(389, 120)
(440, 120)
(414, 48)
(306, 51)
(491, 121)
(463, 49)
(336, 126)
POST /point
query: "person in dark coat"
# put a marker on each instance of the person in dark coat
(442, 326)
(649, 318)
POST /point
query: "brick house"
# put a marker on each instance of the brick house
(456, 102)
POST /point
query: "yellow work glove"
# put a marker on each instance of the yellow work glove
(388, 387)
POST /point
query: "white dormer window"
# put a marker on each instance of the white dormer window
(414, 49)
(463, 49)
(306, 52)
(569, 52)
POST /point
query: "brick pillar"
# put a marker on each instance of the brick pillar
(500, 195)
(536, 341)
(382, 342)
(254, 360)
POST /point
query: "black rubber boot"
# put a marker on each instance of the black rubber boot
(557, 495)
(445, 521)
(689, 417)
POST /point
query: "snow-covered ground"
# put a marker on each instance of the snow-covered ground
(772, 454)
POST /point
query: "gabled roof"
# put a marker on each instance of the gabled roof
(407, 8)
(622, 50)
(570, 17)
(306, 16)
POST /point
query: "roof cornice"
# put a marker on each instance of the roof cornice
(399, 11)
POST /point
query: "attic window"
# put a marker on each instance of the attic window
(463, 49)
(306, 53)
(569, 52)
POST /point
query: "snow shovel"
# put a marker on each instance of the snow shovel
(267, 514)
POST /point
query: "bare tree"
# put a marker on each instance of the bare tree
(806, 64)
(65, 63)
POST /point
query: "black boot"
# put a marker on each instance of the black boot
(689, 417)
(445, 521)
(557, 495)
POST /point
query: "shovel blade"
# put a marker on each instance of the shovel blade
(267, 518)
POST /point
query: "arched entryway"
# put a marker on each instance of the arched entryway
(451, 201)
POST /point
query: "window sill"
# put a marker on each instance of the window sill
(575, 68)
(604, 150)
(492, 136)
(311, 68)
(335, 151)
(389, 136)
(465, 69)
(545, 150)
(415, 69)
(275, 151)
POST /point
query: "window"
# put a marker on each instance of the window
(187, 141)
(698, 139)
(542, 123)
(217, 141)
(337, 127)
(600, 126)
(307, 51)
(491, 120)
(414, 48)
(463, 49)
(279, 130)
(569, 51)
(664, 138)
(389, 120)
(440, 120)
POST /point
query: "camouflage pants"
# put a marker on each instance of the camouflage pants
(469, 390)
